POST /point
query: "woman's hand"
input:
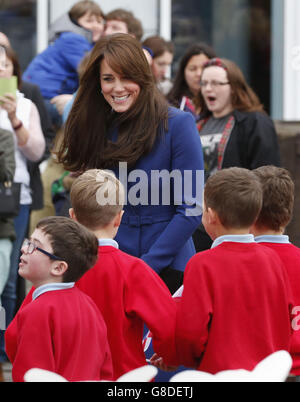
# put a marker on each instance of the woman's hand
(8, 102)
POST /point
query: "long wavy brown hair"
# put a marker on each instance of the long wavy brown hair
(243, 97)
(86, 143)
(180, 87)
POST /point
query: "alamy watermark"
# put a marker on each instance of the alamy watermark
(157, 187)
(296, 320)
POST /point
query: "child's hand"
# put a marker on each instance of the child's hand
(60, 102)
(158, 362)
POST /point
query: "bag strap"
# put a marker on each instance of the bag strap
(201, 123)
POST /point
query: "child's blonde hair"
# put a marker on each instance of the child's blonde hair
(97, 197)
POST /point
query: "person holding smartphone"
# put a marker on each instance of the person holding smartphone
(20, 117)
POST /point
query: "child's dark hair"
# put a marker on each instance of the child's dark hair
(73, 243)
(235, 194)
(278, 197)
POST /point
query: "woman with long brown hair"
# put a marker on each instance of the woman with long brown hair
(234, 129)
(120, 116)
(186, 85)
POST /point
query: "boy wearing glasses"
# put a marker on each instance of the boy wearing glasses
(60, 329)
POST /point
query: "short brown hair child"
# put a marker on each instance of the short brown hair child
(236, 195)
(134, 25)
(236, 300)
(269, 231)
(278, 202)
(58, 327)
(73, 243)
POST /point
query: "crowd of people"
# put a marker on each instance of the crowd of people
(150, 188)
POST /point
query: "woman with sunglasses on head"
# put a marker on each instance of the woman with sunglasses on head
(186, 85)
(119, 115)
(234, 128)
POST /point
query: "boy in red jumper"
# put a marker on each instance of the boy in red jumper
(58, 327)
(276, 214)
(127, 291)
(235, 307)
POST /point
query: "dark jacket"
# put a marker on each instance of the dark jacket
(7, 171)
(33, 93)
(253, 142)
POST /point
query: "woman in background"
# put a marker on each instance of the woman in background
(186, 85)
(234, 128)
(162, 58)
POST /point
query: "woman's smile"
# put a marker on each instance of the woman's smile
(120, 92)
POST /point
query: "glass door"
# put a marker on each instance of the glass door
(239, 30)
(18, 22)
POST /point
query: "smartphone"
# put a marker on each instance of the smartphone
(8, 85)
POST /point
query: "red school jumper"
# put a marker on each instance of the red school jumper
(129, 293)
(290, 256)
(61, 331)
(235, 308)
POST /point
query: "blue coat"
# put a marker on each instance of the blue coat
(161, 234)
(55, 69)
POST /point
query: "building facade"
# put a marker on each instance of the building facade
(261, 36)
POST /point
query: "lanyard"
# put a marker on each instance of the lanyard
(224, 140)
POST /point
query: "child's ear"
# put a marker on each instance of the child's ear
(72, 214)
(118, 219)
(59, 268)
(212, 216)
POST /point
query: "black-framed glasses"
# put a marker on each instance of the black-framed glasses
(214, 84)
(29, 247)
